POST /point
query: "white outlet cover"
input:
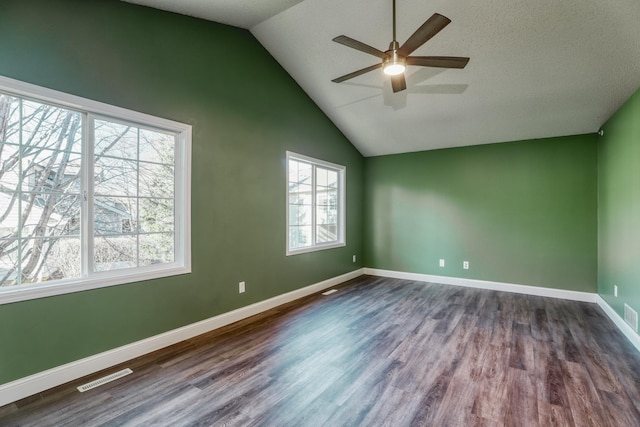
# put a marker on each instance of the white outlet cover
(615, 291)
(465, 265)
(441, 263)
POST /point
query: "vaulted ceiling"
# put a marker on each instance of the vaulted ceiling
(538, 68)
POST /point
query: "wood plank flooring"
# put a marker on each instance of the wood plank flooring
(379, 352)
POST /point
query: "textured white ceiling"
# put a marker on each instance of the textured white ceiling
(538, 68)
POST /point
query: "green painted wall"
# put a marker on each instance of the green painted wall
(561, 212)
(244, 119)
(521, 212)
(619, 208)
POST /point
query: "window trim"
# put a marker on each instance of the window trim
(342, 208)
(182, 226)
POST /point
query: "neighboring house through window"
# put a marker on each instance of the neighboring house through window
(315, 204)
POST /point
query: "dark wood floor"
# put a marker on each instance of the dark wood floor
(379, 352)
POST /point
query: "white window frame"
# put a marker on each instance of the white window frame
(342, 179)
(182, 197)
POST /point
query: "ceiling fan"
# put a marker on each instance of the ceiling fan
(396, 58)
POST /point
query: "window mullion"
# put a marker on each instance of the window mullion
(19, 191)
(313, 205)
(137, 218)
(86, 232)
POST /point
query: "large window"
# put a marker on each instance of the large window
(90, 195)
(315, 204)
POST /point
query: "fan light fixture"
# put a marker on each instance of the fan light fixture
(394, 69)
(393, 64)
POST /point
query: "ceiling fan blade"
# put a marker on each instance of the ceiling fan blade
(355, 44)
(356, 73)
(430, 28)
(438, 61)
(398, 83)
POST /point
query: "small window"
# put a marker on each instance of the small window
(315, 204)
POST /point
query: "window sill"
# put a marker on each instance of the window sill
(315, 248)
(11, 294)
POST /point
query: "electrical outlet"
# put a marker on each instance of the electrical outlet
(441, 263)
(354, 258)
(241, 288)
(615, 291)
(465, 265)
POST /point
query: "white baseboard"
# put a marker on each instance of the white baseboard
(36, 383)
(631, 335)
(484, 284)
(619, 322)
(33, 384)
